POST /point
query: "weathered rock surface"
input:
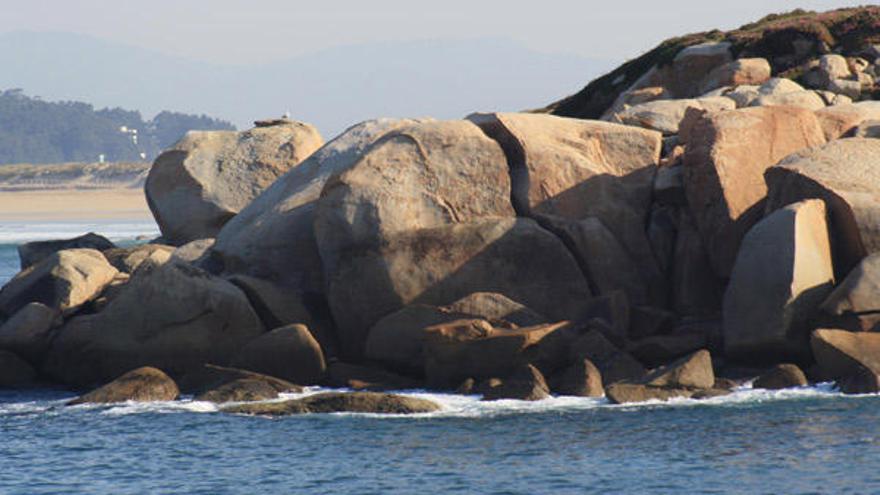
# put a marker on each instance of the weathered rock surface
(666, 115)
(353, 402)
(474, 349)
(273, 237)
(172, 316)
(27, 332)
(64, 281)
(781, 376)
(782, 275)
(207, 177)
(744, 71)
(193, 252)
(693, 371)
(724, 164)
(857, 298)
(525, 383)
(290, 353)
(579, 379)
(660, 349)
(841, 353)
(31, 253)
(846, 175)
(15, 372)
(627, 393)
(210, 377)
(569, 170)
(144, 384)
(435, 266)
(840, 120)
(127, 260)
(496, 307)
(807, 100)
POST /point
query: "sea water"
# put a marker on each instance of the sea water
(799, 441)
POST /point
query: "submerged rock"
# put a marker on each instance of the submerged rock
(241, 390)
(145, 384)
(353, 402)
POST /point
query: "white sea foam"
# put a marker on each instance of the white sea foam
(452, 405)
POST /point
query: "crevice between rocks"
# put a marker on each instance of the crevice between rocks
(514, 153)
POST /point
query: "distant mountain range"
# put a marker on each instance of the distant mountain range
(332, 88)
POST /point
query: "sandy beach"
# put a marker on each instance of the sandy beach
(73, 205)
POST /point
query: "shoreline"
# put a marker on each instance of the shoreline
(66, 205)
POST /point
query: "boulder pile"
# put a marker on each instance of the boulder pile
(710, 206)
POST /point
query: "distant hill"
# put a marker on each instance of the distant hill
(332, 89)
(37, 131)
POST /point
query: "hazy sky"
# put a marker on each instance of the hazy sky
(255, 31)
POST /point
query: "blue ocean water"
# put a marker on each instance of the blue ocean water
(802, 441)
(793, 442)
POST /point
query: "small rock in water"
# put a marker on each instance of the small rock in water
(241, 390)
(781, 376)
(357, 402)
(141, 385)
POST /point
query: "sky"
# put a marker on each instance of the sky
(244, 32)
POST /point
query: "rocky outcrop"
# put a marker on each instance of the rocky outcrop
(351, 402)
(144, 384)
(212, 175)
(726, 157)
(63, 281)
(358, 377)
(782, 275)
(31, 253)
(289, 353)
(855, 302)
(559, 167)
(173, 316)
(845, 174)
(273, 237)
(781, 376)
(613, 363)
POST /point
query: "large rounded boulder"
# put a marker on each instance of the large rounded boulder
(172, 316)
(289, 353)
(425, 217)
(207, 177)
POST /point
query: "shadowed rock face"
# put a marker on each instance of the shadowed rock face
(846, 175)
(841, 353)
(172, 316)
(356, 402)
(726, 157)
(212, 175)
(782, 275)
